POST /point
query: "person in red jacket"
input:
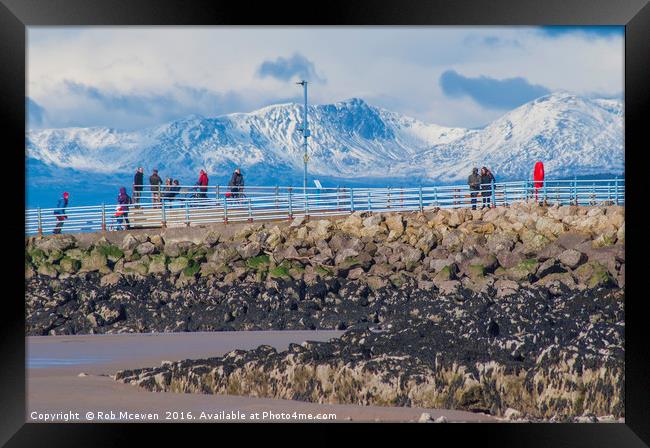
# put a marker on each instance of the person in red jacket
(203, 184)
(538, 178)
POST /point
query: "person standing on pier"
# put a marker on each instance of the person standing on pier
(138, 181)
(538, 177)
(155, 181)
(203, 184)
(176, 188)
(60, 212)
(123, 213)
(487, 178)
(236, 184)
(167, 189)
(474, 182)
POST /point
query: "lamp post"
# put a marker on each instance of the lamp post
(305, 134)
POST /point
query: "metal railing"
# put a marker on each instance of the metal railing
(189, 207)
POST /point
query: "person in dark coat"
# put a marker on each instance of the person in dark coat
(61, 204)
(236, 184)
(474, 182)
(138, 181)
(176, 188)
(123, 213)
(203, 184)
(486, 186)
(155, 181)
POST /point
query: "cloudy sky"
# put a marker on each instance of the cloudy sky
(134, 77)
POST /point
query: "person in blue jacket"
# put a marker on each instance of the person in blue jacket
(59, 212)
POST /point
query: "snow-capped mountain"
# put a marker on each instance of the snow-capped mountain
(570, 134)
(351, 140)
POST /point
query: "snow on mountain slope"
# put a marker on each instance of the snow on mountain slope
(572, 135)
(351, 139)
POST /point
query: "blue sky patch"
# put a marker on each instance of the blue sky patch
(591, 31)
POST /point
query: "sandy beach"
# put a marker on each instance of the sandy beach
(57, 392)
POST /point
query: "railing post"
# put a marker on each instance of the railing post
(609, 193)
(593, 193)
(250, 211)
(575, 190)
(290, 204)
(369, 204)
(225, 210)
(421, 205)
(187, 214)
(388, 197)
(525, 187)
(277, 192)
(338, 198)
(623, 192)
(435, 196)
(103, 217)
(532, 193)
(545, 193)
(163, 214)
(40, 223)
(616, 190)
(493, 198)
(505, 195)
(306, 205)
(217, 192)
(351, 200)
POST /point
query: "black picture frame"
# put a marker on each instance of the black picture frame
(16, 15)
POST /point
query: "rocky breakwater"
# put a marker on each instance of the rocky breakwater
(518, 307)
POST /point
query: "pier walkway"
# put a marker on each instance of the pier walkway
(217, 204)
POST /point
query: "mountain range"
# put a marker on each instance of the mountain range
(350, 140)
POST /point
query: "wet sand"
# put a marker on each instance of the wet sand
(55, 387)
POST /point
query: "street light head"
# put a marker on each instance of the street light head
(302, 83)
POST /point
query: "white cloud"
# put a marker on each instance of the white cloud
(393, 67)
